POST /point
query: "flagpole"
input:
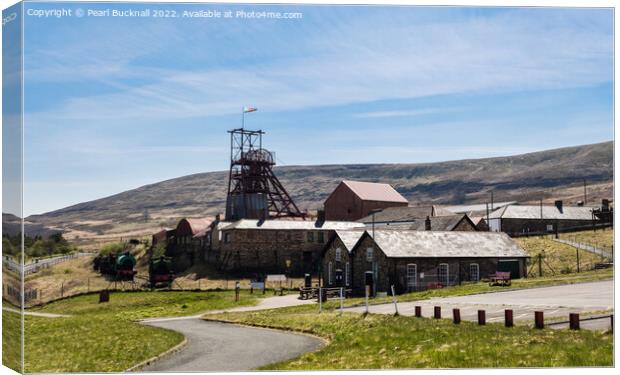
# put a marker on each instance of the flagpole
(242, 117)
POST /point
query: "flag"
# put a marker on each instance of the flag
(249, 109)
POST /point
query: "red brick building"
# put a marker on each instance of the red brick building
(353, 200)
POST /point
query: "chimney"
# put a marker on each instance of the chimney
(427, 223)
(320, 216)
(558, 204)
(218, 218)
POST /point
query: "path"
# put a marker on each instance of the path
(585, 247)
(32, 313)
(556, 302)
(214, 346)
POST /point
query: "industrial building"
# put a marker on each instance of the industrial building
(518, 220)
(417, 260)
(353, 200)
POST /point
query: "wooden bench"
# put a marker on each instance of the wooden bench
(500, 278)
(308, 293)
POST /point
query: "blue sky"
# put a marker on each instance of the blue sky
(115, 103)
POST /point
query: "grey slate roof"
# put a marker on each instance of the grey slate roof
(406, 214)
(349, 237)
(549, 212)
(293, 225)
(438, 223)
(482, 207)
(431, 244)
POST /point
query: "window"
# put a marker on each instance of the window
(338, 255)
(310, 237)
(329, 273)
(474, 272)
(369, 254)
(227, 237)
(412, 276)
(347, 273)
(320, 237)
(443, 276)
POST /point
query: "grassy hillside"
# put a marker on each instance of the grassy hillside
(548, 174)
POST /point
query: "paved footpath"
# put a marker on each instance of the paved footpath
(556, 302)
(214, 346)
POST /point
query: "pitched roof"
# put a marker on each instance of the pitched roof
(431, 244)
(293, 225)
(406, 214)
(477, 207)
(438, 223)
(373, 191)
(548, 212)
(350, 237)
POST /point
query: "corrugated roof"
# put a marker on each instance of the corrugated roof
(197, 225)
(548, 212)
(292, 225)
(406, 214)
(406, 244)
(372, 191)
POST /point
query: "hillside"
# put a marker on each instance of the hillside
(550, 174)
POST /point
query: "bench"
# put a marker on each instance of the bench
(500, 278)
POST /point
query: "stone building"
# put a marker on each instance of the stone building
(353, 200)
(337, 260)
(404, 215)
(419, 260)
(189, 242)
(519, 220)
(273, 246)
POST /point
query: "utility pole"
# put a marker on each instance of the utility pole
(585, 197)
(492, 201)
(577, 259)
(539, 265)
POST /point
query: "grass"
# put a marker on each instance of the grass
(603, 238)
(11, 340)
(105, 337)
(560, 258)
(389, 342)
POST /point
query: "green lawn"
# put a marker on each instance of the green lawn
(388, 342)
(105, 337)
(11, 340)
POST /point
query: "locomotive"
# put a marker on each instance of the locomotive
(118, 266)
(160, 272)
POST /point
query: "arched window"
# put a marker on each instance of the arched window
(444, 274)
(338, 255)
(329, 273)
(347, 274)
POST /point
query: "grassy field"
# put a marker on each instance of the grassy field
(560, 258)
(603, 238)
(388, 342)
(11, 340)
(104, 337)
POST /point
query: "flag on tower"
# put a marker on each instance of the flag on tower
(249, 109)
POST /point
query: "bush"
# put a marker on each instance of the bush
(112, 248)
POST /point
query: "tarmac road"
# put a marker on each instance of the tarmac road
(214, 346)
(556, 302)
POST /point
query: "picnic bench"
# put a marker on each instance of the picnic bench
(310, 293)
(499, 278)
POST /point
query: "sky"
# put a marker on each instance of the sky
(114, 103)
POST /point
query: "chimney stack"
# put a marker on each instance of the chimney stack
(605, 205)
(320, 216)
(427, 223)
(558, 204)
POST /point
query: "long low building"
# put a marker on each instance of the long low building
(519, 220)
(417, 260)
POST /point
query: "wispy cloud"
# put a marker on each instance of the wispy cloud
(403, 113)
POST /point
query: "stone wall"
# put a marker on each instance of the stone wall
(260, 251)
(330, 257)
(520, 226)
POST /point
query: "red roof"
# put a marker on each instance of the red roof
(194, 226)
(372, 191)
